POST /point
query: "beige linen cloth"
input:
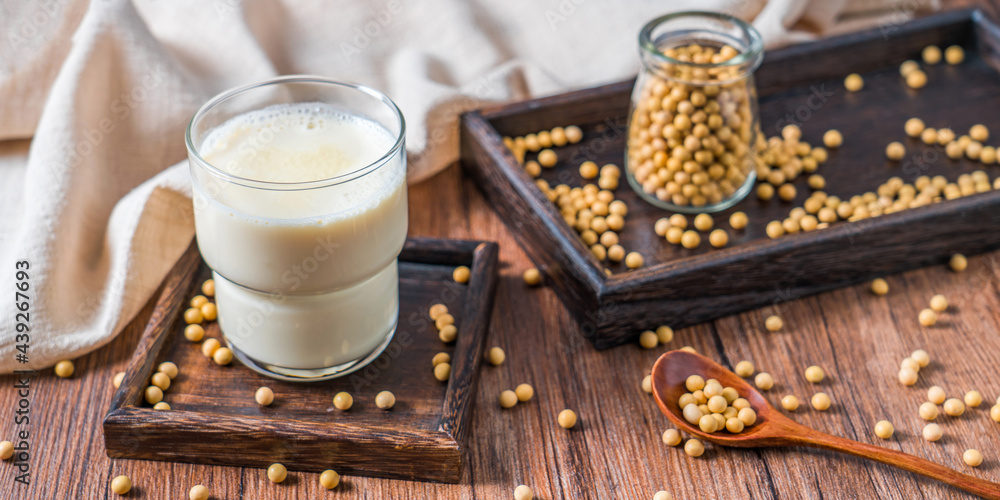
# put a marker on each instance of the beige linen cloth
(99, 205)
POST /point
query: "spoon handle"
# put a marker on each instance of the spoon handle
(971, 484)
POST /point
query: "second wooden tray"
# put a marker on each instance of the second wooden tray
(801, 84)
(215, 420)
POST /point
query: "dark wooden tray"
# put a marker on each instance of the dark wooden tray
(214, 419)
(680, 287)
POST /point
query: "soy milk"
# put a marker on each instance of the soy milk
(303, 236)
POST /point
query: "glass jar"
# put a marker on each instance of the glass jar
(693, 119)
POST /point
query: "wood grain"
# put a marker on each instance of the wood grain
(616, 450)
(215, 420)
(772, 429)
(681, 287)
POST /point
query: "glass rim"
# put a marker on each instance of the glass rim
(753, 51)
(361, 171)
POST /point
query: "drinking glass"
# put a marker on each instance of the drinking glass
(306, 280)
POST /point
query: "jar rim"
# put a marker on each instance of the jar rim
(753, 50)
(194, 150)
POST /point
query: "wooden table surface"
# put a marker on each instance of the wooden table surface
(615, 451)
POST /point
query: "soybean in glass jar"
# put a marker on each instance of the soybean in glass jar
(693, 123)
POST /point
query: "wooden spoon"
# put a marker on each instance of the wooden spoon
(774, 429)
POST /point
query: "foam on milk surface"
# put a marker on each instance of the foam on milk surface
(295, 143)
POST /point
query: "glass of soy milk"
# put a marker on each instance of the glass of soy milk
(299, 188)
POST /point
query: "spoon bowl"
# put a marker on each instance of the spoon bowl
(669, 376)
(772, 428)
